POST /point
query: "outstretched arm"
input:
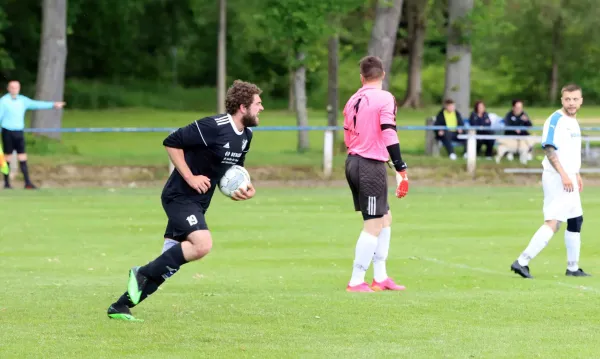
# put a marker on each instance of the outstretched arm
(42, 105)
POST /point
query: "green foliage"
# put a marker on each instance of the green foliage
(102, 95)
(126, 53)
(520, 48)
(5, 60)
(299, 26)
(94, 95)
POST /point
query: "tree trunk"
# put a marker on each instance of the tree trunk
(383, 34)
(291, 102)
(222, 57)
(300, 102)
(556, 32)
(51, 65)
(332, 83)
(416, 44)
(458, 57)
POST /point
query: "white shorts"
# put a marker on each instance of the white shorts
(558, 204)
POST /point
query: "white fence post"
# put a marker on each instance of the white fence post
(14, 166)
(471, 151)
(328, 153)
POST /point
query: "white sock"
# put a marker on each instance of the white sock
(573, 244)
(365, 248)
(168, 244)
(381, 254)
(538, 242)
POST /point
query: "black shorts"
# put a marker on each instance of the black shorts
(184, 216)
(13, 140)
(368, 182)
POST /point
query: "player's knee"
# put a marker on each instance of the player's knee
(387, 219)
(201, 243)
(553, 224)
(373, 225)
(574, 224)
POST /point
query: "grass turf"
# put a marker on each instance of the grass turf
(268, 147)
(274, 285)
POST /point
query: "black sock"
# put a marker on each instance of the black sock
(165, 265)
(6, 177)
(124, 300)
(25, 171)
(150, 288)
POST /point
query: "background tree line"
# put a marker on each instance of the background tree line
(125, 53)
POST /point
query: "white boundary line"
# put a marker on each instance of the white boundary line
(488, 271)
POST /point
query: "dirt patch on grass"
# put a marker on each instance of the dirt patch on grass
(65, 176)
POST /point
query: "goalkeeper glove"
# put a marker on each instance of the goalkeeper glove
(402, 181)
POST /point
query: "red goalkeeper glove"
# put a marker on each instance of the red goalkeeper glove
(402, 180)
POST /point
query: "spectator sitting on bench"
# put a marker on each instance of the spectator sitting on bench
(480, 118)
(517, 118)
(450, 118)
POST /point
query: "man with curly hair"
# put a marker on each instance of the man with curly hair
(201, 153)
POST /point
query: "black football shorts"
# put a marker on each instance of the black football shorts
(184, 216)
(13, 141)
(368, 182)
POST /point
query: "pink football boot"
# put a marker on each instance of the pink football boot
(363, 287)
(387, 284)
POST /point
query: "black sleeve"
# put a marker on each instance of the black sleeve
(526, 121)
(200, 133)
(249, 134)
(439, 119)
(474, 120)
(459, 119)
(396, 157)
(488, 123)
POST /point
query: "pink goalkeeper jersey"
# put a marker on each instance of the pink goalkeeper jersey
(365, 113)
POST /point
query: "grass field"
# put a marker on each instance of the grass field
(268, 148)
(274, 285)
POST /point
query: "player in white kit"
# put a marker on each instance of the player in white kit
(561, 181)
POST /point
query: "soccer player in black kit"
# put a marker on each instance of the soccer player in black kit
(201, 153)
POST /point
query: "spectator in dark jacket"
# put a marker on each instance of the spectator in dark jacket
(480, 118)
(450, 118)
(517, 118)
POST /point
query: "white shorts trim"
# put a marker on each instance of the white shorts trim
(558, 204)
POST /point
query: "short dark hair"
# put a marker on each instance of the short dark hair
(448, 101)
(570, 88)
(516, 101)
(240, 93)
(371, 67)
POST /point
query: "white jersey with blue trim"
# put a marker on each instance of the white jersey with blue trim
(563, 133)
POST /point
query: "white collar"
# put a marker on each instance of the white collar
(234, 126)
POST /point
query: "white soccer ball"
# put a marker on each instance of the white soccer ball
(235, 177)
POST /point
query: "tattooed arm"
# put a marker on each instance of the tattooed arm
(553, 159)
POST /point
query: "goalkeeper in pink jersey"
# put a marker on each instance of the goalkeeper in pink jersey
(371, 139)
